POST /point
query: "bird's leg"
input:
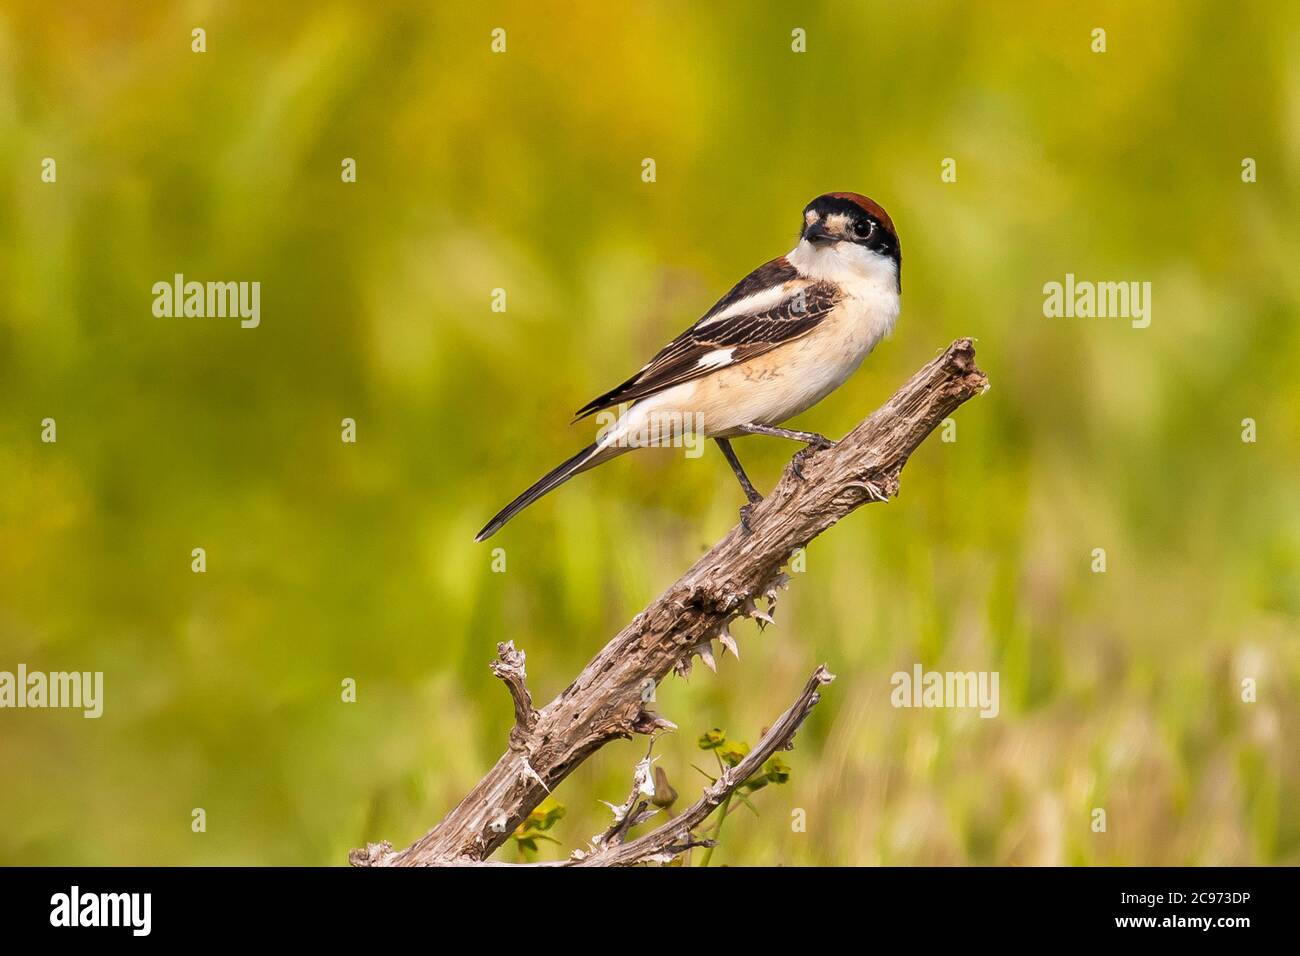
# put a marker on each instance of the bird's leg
(812, 440)
(750, 491)
(808, 438)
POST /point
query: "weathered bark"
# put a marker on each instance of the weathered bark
(607, 700)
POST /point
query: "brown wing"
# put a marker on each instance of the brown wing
(712, 344)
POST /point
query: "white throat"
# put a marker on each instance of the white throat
(846, 263)
(868, 279)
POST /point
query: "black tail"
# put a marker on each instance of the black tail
(548, 482)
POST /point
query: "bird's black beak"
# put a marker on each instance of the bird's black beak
(817, 233)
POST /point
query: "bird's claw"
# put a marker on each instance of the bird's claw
(803, 454)
(744, 515)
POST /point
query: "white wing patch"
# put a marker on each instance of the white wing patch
(757, 302)
(716, 359)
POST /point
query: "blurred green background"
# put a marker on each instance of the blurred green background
(522, 171)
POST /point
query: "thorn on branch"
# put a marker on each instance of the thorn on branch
(728, 642)
(775, 587)
(526, 772)
(647, 722)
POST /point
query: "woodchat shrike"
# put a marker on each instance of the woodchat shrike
(785, 337)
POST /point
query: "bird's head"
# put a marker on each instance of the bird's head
(848, 217)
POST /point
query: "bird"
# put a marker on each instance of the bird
(782, 339)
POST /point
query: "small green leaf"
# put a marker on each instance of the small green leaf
(712, 739)
(733, 752)
(776, 770)
(550, 815)
(533, 827)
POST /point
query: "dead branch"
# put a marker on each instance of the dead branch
(625, 816)
(509, 668)
(606, 701)
(673, 837)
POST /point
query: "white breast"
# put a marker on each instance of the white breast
(792, 378)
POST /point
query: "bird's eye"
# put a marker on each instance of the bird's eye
(863, 228)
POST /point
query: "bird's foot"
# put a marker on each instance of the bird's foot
(803, 454)
(744, 515)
